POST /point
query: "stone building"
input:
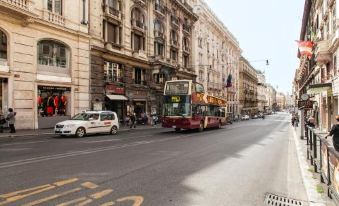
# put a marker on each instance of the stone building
(271, 98)
(248, 82)
(261, 88)
(281, 101)
(318, 75)
(44, 60)
(136, 46)
(216, 56)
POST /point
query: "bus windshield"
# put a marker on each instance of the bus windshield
(178, 88)
(177, 109)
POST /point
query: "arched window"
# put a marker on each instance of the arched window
(53, 54)
(158, 28)
(3, 47)
(138, 17)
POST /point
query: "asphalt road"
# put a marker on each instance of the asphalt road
(236, 165)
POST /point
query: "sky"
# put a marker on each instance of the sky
(265, 29)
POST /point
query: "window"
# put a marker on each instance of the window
(174, 37)
(113, 72)
(138, 42)
(159, 78)
(158, 48)
(186, 61)
(158, 28)
(200, 42)
(114, 4)
(52, 53)
(138, 18)
(200, 58)
(139, 76)
(3, 45)
(105, 117)
(159, 6)
(185, 44)
(55, 6)
(174, 54)
(113, 33)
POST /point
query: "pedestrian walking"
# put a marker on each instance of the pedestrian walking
(133, 120)
(311, 121)
(11, 120)
(335, 133)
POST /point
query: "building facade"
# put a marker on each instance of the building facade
(216, 57)
(248, 82)
(44, 60)
(136, 46)
(317, 75)
(271, 98)
(261, 89)
(281, 101)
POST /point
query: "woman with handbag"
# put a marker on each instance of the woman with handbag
(11, 120)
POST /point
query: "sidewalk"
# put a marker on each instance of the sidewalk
(50, 132)
(311, 180)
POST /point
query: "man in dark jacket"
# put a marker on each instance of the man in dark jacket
(335, 133)
(11, 119)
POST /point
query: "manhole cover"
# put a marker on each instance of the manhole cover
(276, 200)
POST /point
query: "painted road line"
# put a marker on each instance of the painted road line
(22, 143)
(108, 204)
(138, 200)
(95, 196)
(89, 185)
(18, 195)
(100, 141)
(72, 202)
(90, 151)
(52, 197)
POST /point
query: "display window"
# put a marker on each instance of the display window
(53, 101)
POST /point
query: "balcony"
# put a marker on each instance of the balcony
(139, 25)
(187, 28)
(160, 9)
(174, 43)
(159, 34)
(113, 13)
(54, 18)
(175, 21)
(140, 2)
(322, 53)
(139, 54)
(20, 7)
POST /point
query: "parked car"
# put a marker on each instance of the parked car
(255, 116)
(245, 117)
(89, 122)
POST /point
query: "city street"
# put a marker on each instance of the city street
(236, 165)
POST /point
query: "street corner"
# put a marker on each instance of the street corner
(66, 192)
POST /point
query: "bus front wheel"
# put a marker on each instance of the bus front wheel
(201, 127)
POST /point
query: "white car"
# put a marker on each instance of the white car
(245, 117)
(89, 122)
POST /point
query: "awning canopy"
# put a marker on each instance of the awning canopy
(319, 88)
(117, 97)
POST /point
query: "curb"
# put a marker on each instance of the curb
(314, 198)
(52, 133)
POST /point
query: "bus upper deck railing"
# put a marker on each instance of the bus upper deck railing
(324, 159)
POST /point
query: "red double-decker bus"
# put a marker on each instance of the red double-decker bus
(187, 106)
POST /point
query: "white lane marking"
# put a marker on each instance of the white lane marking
(22, 143)
(100, 141)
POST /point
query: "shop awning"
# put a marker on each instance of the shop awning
(319, 88)
(117, 97)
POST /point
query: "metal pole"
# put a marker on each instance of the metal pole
(302, 124)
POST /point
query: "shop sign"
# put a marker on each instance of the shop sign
(305, 104)
(53, 88)
(115, 89)
(137, 94)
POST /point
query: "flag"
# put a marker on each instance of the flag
(306, 48)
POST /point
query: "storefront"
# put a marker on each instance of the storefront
(115, 99)
(138, 102)
(53, 105)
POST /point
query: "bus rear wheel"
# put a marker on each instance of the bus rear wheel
(201, 127)
(177, 129)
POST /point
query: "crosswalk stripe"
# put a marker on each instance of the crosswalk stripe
(89, 185)
(71, 202)
(65, 182)
(23, 191)
(108, 204)
(36, 202)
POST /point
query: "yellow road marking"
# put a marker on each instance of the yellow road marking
(89, 185)
(101, 194)
(65, 182)
(23, 191)
(52, 197)
(86, 202)
(18, 195)
(81, 199)
(138, 200)
(108, 204)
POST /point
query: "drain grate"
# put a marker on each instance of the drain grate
(276, 200)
